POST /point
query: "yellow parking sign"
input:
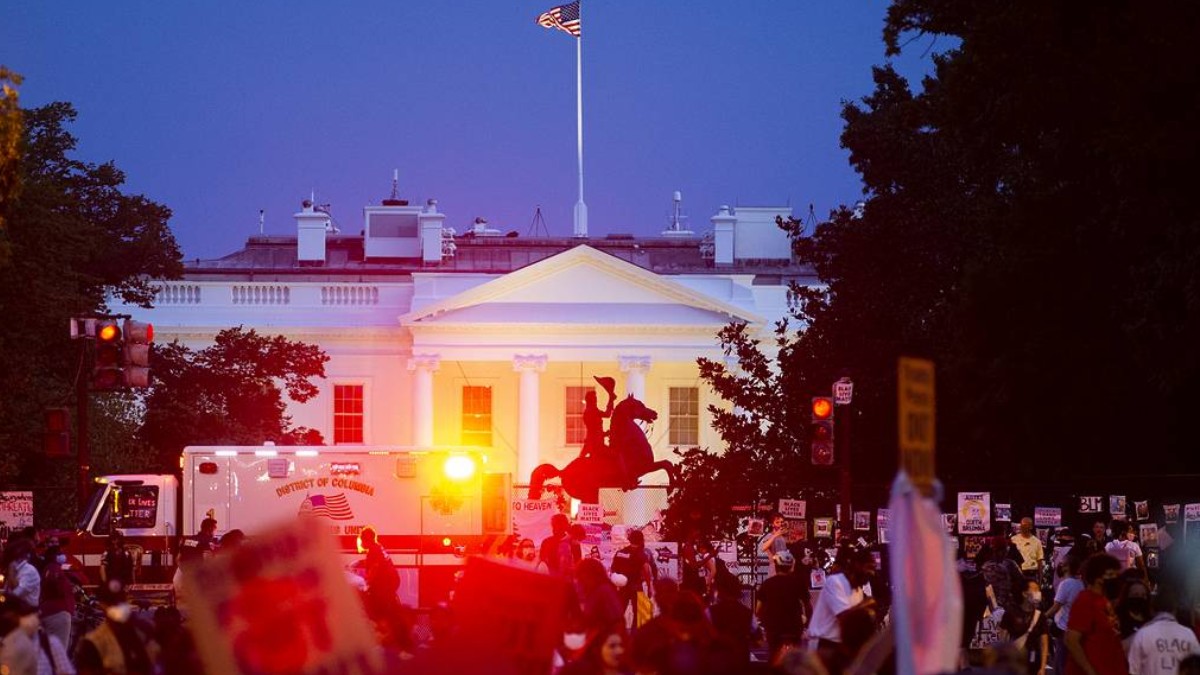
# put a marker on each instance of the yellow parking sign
(917, 403)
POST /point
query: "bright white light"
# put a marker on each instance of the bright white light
(265, 453)
(459, 467)
(226, 453)
(307, 453)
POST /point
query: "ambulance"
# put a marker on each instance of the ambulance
(430, 506)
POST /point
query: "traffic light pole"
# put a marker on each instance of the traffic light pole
(842, 439)
(82, 401)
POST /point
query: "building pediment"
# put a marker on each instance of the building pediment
(581, 286)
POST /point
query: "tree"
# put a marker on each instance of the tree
(74, 238)
(229, 393)
(1029, 226)
(10, 136)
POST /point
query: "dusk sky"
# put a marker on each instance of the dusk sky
(222, 108)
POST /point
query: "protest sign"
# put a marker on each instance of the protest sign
(1191, 513)
(1148, 533)
(1171, 513)
(531, 518)
(280, 604)
(822, 528)
(1003, 513)
(589, 513)
(793, 509)
(16, 510)
(1141, 510)
(1091, 504)
(1116, 504)
(1047, 516)
(883, 519)
(862, 521)
(974, 512)
(509, 614)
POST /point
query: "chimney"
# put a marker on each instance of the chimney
(311, 226)
(723, 224)
(431, 223)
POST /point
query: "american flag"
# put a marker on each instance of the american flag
(334, 507)
(565, 18)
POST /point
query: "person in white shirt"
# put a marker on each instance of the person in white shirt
(1158, 646)
(1029, 546)
(848, 589)
(1124, 547)
(1060, 611)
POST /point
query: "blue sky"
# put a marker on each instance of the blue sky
(219, 109)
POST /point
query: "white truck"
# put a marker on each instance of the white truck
(430, 506)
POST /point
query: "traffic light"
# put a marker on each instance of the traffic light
(57, 434)
(138, 336)
(109, 364)
(821, 431)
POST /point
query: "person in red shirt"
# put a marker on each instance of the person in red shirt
(1093, 640)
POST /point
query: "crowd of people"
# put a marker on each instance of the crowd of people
(1072, 606)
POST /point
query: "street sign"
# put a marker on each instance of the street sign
(843, 391)
(916, 399)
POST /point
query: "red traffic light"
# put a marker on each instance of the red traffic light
(108, 332)
(822, 408)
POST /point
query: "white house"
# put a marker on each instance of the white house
(487, 339)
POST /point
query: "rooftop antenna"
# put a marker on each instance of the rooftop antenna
(676, 228)
(538, 224)
(262, 214)
(395, 183)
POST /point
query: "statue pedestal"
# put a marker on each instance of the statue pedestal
(636, 507)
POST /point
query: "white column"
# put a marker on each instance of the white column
(423, 366)
(635, 368)
(529, 420)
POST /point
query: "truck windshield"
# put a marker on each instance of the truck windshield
(86, 516)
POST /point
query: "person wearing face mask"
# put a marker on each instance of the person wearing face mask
(1161, 645)
(119, 645)
(1093, 642)
(58, 594)
(604, 655)
(1027, 627)
(21, 578)
(1132, 605)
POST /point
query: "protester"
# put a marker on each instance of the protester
(18, 628)
(1060, 612)
(604, 655)
(1093, 643)
(121, 644)
(1097, 540)
(1030, 548)
(775, 541)
(850, 587)
(1026, 626)
(554, 553)
(1124, 547)
(782, 605)
(57, 604)
(117, 563)
(21, 578)
(1001, 573)
(178, 649)
(232, 540)
(732, 622)
(1132, 604)
(601, 606)
(633, 563)
(1160, 646)
(380, 574)
(207, 539)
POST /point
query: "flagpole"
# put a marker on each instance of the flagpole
(581, 229)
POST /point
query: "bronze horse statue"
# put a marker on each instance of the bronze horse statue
(584, 476)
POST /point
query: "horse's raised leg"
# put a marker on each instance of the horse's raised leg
(539, 476)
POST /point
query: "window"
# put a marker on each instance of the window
(477, 416)
(139, 506)
(685, 416)
(575, 429)
(347, 413)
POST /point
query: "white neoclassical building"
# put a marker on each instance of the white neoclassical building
(487, 339)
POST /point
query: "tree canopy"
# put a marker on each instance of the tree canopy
(73, 237)
(228, 393)
(1028, 226)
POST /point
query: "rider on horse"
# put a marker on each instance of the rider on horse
(593, 424)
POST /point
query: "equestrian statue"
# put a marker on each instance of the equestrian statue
(619, 463)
